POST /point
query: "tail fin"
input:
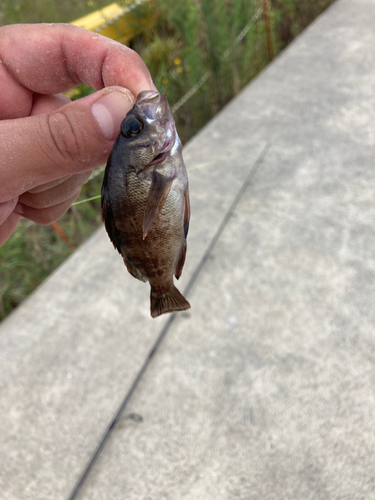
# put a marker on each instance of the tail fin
(170, 301)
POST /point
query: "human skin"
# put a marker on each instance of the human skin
(49, 145)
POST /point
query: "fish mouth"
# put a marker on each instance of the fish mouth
(164, 152)
(154, 105)
(148, 95)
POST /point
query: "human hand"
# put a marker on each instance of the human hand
(49, 145)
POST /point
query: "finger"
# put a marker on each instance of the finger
(8, 226)
(56, 58)
(43, 104)
(49, 185)
(56, 194)
(45, 216)
(72, 139)
(6, 209)
(47, 103)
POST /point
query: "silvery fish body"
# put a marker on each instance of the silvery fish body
(145, 200)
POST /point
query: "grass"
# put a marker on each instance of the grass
(191, 39)
(43, 11)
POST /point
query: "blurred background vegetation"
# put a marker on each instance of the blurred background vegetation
(190, 42)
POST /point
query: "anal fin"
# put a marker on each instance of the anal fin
(134, 271)
(181, 261)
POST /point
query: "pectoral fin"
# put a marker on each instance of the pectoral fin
(157, 196)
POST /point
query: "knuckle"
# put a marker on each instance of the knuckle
(63, 135)
(42, 217)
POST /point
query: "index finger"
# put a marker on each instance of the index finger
(58, 57)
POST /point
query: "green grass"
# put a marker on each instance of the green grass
(191, 38)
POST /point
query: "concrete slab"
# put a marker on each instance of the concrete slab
(265, 389)
(71, 352)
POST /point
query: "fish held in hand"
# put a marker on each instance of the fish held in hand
(145, 200)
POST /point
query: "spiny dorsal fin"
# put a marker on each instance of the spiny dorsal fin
(107, 214)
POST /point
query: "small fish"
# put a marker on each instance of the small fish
(145, 200)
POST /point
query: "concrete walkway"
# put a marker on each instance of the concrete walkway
(265, 389)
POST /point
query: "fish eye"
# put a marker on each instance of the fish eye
(131, 126)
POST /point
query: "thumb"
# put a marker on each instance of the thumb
(74, 138)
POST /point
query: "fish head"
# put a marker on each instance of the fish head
(149, 130)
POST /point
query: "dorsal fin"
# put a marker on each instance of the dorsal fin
(107, 214)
